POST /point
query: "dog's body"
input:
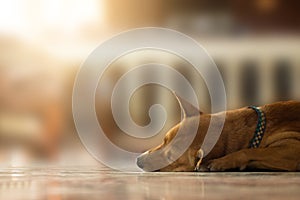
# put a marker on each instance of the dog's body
(278, 150)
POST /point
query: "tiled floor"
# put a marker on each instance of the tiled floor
(102, 183)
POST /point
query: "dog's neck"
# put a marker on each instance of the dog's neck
(237, 132)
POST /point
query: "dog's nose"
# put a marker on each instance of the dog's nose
(139, 162)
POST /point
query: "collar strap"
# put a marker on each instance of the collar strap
(260, 128)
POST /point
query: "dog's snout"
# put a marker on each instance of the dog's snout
(139, 162)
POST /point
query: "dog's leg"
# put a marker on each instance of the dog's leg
(282, 155)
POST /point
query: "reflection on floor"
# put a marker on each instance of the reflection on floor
(101, 183)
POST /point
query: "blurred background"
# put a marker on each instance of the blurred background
(255, 44)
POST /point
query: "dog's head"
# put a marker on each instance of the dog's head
(163, 155)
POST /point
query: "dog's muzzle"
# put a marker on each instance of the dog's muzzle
(140, 161)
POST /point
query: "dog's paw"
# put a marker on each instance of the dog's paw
(201, 168)
(221, 164)
(217, 165)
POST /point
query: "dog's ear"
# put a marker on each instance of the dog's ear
(187, 108)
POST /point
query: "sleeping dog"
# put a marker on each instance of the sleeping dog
(252, 138)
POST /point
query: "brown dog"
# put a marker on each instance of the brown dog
(279, 148)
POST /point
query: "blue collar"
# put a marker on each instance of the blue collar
(260, 128)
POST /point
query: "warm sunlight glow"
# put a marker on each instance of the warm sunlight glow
(33, 18)
(70, 15)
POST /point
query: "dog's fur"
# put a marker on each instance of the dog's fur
(278, 150)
